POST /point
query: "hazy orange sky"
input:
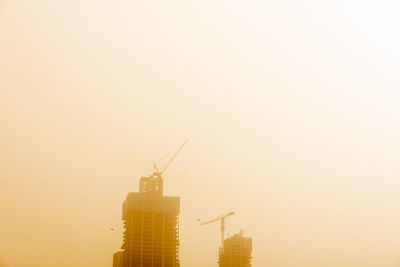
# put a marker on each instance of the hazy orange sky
(291, 108)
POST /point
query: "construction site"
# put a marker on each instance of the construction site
(151, 229)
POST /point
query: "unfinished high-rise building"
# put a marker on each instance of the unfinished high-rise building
(151, 236)
(236, 251)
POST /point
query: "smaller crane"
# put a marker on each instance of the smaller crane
(222, 219)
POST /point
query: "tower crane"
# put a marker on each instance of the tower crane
(222, 219)
(154, 183)
(155, 168)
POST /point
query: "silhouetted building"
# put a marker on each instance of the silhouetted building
(151, 236)
(117, 259)
(236, 252)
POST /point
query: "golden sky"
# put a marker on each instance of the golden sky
(291, 108)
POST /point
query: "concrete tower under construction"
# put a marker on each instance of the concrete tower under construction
(236, 252)
(151, 236)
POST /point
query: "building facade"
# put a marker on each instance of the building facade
(236, 252)
(151, 222)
